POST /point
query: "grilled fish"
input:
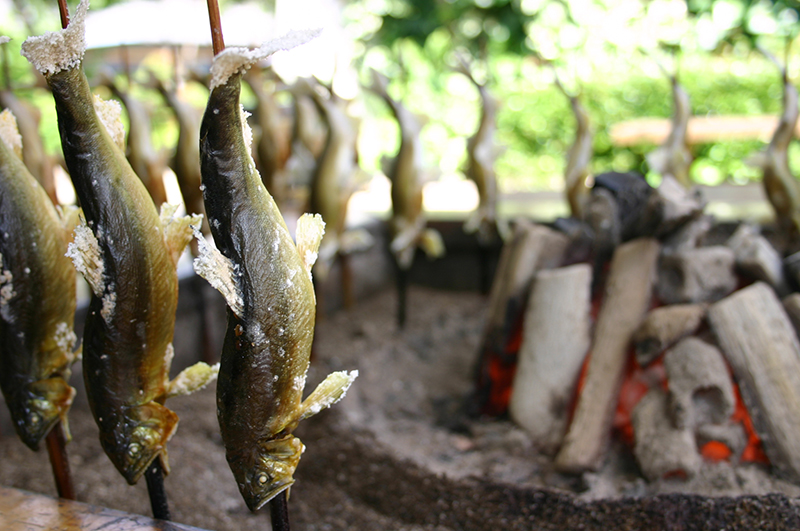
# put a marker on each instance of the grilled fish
(127, 253)
(273, 144)
(674, 157)
(406, 175)
(782, 188)
(37, 298)
(266, 281)
(579, 156)
(482, 151)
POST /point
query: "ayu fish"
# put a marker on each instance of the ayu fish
(482, 151)
(266, 281)
(127, 253)
(674, 157)
(274, 143)
(186, 159)
(579, 156)
(406, 174)
(781, 186)
(142, 156)
(37, 297)
(334, 180)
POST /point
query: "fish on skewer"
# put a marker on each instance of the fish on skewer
(38, 162)
(781, 186)
(274, 142)
(335, 179)
(406, 175)
(186, 160)
(579, 155)
(127, 253)
(674, 157)
(144, 160)
(266, 281)
(482, 151)
(37, 297)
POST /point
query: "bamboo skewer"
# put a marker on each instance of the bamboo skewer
(57, 450)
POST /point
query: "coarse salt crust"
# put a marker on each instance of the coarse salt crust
(85, 254)
(219, 271)
(237, 59)
(110, 114)
(59, 50)
(9, 133)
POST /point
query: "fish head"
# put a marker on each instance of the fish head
(266, 472)
(136, 437)
(45, 402)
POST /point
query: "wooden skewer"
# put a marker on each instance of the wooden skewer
(154, 476)
(217, 43)
(63, 10)
(279, 512)
(57, 449)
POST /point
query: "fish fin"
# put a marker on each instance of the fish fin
(219, 271)
(330, 391)
(192, 379)
(353, 241)
(432, 243)
(110, 114)
(310, 229)
(85, 253)
(178, 230)
(9, 132)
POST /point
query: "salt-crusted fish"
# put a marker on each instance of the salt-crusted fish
(37, 297)
(781, 186)
(482, 151)
(266, 281)
(406, 174)
(674, 157)
(127, 253)
(579, 155)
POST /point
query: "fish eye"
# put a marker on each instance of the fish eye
(262, 479)
(133, 450)
(34, 419)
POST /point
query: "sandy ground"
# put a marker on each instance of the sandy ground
(398, 453)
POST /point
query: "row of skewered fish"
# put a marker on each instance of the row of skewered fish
(127, 252)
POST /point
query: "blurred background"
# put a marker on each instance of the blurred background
(608, 51)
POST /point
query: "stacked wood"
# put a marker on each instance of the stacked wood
(660, 448)
(554, 345)
(705, 274)
(700, 389)
(762, 348)
(627, 298)
(665, 326)
(757, 258)
(531, 247)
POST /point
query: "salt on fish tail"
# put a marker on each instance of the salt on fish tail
(86, 256)
(178, 230)
(331, 390)
(310, 230)
(192, 379)
(219, 271)
(59, 50)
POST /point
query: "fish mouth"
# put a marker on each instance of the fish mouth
(256, 499)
